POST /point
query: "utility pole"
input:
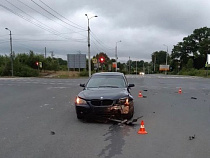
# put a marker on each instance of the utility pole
(166, 57)
(136, 67)
(45, 52)
(11, 53)
(116, 54)
(129, 65)
(52, 54)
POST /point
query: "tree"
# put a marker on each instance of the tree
(190, 63)
(106, 62)
(5, 65)
(195, 46)
(25, 64)
(159, 58)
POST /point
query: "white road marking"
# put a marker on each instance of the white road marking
(56, 87)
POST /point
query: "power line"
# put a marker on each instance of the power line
(42, 33)
(26, 46)
(32, 22)
(49, 17)
(93, 35)
(56, 16)
(3, 35)
(60, 14)
(4, 42)
(101, 49)
(48, 28)
(100, 42)
(21, 16)
(19, 40)
(25, 40)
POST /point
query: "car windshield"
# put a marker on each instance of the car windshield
(106, 81)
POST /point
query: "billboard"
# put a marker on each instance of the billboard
(76, 60)
(114, 65)
(164, 68)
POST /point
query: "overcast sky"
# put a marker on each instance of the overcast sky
(143, 26)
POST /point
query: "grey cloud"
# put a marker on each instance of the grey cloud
(142, 25)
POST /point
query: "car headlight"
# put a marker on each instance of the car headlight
(123, 101)
(80, 101)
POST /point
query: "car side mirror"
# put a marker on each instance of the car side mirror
(131, 85)
(82, 85)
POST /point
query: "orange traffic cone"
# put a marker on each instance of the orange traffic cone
(142, 129)
(180, 91)
(140, 95)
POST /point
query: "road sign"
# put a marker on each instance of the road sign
(94, 60)
(114, 64)
(40, 64)
(76, 60)
(208, 61)
(164, 68)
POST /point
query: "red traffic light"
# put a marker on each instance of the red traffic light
(37, 63)
(102, 60)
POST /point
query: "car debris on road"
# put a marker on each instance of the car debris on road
(192, 137)
(125, 121)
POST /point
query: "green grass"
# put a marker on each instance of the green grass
(195, 72)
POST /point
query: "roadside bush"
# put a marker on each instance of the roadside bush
(84, 74)
(25, 71)
(1, 71)
(193, 72)
(5, 70)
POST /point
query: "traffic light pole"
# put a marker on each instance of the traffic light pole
(116, 56)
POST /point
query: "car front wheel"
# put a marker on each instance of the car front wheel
(129, 115)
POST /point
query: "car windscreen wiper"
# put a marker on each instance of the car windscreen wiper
(109, 86)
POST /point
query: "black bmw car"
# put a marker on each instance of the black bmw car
(106, 94)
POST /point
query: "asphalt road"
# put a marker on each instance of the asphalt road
(38, 120)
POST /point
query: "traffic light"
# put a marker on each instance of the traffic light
(102, 60)
(37, 63)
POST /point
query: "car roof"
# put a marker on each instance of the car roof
(108, 74)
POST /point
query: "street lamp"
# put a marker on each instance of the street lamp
(166, 57)
(116, 53)
(11, 54)
(89, 63)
